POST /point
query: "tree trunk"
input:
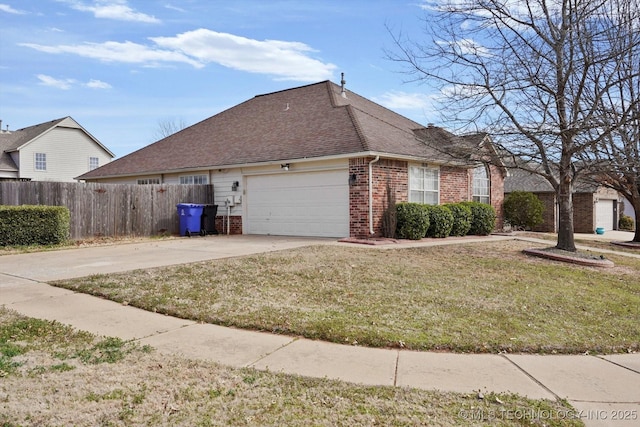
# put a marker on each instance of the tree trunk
(565, 215)
(636, 209)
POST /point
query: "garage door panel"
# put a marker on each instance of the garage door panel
(299, 204)
(604, 214)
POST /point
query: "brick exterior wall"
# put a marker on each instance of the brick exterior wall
(235, 224)
(549, 217)
(455, 186)
(387, 174)
(584, 217)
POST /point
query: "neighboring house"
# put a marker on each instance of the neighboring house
(593, 206)
(314, 160)
(58, 150)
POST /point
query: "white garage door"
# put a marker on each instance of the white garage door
(604, 214)
(298, 204)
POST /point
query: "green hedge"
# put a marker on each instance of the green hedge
(412, 221)
(523, 210)
(33, 225)
(440, 221)
(417, 220)
(462, 217)
(483, 220)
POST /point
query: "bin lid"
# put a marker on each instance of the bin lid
(190, 205)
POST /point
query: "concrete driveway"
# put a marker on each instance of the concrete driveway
(104, 259)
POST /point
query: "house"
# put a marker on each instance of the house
(593, 205)
(58, 150)
(315, 160)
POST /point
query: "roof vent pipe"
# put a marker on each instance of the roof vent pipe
(343, 92)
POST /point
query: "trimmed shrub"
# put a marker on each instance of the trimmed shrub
(462, 217)
(523, 210)
(412, 221)
(483, 218)
(626, 223)
(440, 221)
(33, 225)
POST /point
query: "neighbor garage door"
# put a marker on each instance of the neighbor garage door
(604, 214)
(298, 204)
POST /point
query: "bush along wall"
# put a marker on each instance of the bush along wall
(523, 210)
(440, 221)
(412, 221)
(462, 218)
(483, 219)
(417, 220)
(33, 225)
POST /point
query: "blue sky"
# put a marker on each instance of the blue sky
(119, 67)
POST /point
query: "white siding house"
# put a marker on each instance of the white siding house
(59, 150)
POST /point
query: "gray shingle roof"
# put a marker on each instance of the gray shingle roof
(11, 141)
(522, 180)
(305, 122)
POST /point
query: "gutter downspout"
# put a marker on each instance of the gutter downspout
(371, 194)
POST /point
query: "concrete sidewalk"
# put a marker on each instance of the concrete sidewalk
(601, 387)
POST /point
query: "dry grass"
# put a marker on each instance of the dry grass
(51, 385)
(466, 298)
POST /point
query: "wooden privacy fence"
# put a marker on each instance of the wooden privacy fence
(110, 209)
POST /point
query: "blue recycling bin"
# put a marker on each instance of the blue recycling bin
(190, 215)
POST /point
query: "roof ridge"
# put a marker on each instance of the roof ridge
(356, 125)
(291, 88)
(384, 121)
(50, 122)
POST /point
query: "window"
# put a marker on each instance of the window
(194, 179)
(94, 162)
(424, 185)
(149, 181)
(41, 161)
(481, 185)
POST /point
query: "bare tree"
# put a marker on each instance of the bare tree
(529, 73)
(618, 156)
(167, 127)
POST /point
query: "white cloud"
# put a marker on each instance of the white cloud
(127, 52)
(172, 7)
(97, 84)
(397, 100)
(8, 9)
(281, 59)
(111, 9)
(64, 84)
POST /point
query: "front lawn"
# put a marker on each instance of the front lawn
(476, 297)
(52, 375)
